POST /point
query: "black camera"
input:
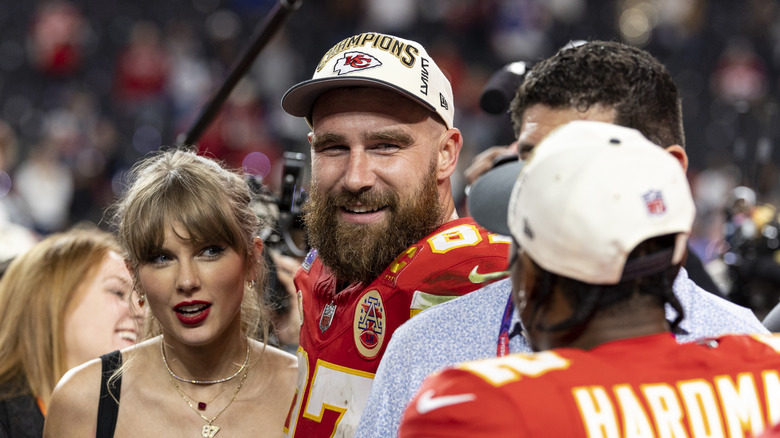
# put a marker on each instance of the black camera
(282, 216)
(282, 224)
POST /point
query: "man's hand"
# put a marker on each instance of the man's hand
(288, 326)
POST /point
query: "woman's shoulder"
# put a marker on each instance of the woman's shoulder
(276, 357)
(83, 380)
(74, 398)
(273, 384)
(77, 394)
(278, 365)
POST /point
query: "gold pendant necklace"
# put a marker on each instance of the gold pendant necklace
(209, 430)
(203, 405)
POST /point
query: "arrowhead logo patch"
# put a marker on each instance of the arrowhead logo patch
(355, 61)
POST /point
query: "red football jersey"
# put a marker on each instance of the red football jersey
(344, 333)
(642, 387)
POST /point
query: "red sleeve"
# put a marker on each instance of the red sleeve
(456, 403)
(457, 258)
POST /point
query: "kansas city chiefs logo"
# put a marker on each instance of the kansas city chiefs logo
(354, 61)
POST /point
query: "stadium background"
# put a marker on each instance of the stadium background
(87, 87)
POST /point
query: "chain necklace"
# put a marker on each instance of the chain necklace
(209, 430)
(203, 382)
(202, 405)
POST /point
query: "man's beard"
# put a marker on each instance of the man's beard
(361, 252)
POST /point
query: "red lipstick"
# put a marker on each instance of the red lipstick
(192, 312)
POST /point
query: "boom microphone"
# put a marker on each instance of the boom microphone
(501, 88)
(270, 26)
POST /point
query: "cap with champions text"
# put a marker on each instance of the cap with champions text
(376, 60)
(589, 194)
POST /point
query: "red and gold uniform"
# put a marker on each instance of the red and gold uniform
(648, 386)
(344, 333)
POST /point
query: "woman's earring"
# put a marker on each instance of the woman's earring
(141, 300)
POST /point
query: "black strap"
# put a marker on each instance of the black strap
(108, 405)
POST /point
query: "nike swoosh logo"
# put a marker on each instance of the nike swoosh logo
(427, 402)
(476, 277)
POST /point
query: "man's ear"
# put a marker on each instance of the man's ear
(449, 150)
(678, 152)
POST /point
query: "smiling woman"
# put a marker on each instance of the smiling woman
(102, 302)
(63, 302)
(189, 235)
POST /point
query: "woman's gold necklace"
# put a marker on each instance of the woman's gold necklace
(209, 430)
(203, 382)
(202, 405)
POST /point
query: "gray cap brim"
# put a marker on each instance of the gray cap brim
(488, 200)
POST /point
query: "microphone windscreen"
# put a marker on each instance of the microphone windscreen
(500, 89)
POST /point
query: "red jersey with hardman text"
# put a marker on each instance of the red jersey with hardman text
(344, 333)
(646, 387)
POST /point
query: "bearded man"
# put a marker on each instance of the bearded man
(387, 241)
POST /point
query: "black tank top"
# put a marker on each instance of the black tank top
(108, 405)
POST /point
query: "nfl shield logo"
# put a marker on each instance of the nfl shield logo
(327, 316)
(654, 200)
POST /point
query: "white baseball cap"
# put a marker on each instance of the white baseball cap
(376, 60)
(590, 193)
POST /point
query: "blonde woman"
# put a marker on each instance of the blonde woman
(189, 234)
(62, 302)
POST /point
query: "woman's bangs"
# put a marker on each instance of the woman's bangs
(204, 218)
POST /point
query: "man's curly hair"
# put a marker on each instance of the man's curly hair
(630, 80)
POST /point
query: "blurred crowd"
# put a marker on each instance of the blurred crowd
(87, 87)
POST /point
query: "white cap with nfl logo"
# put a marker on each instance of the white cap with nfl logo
(381, 61)
(590, 193)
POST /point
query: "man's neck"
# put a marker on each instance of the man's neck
(616, 326)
